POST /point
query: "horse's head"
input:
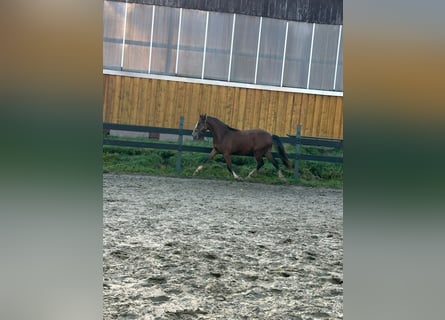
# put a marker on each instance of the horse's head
(201, 126)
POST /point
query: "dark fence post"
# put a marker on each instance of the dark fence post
(297, 151)
(180, 139)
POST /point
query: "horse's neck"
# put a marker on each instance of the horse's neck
(218, 128)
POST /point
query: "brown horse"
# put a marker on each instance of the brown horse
(227, 140)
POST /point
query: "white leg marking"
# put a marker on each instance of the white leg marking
(280, 175)
(198, 169)
(235, 175)
(251, 173)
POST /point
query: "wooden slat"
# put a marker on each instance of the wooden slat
(264, 111)
(126, 114)
(133, 101)
(218, 110)
(115, 104)
(160, 106)
(241, 118)
(105, 91)
(317, 116)
(303, 113)
(135, 112)
(293, 112)
(179, 104)
(147, 100)
(338, 120)
(214, 107)
(108, 92)
(207, 108)
(195, 109)
(123, 108)
(121, 101)
(296, 111)
(130, 101)
(190, 104)
(331, 117)
(280, 122)
(324, 119)
(310, 115)
(115, 94)
(280, 111)
(291, 120)
(272, 112)
(249, 110)
(138, 112)
(228, 101)
(170, 105)
(205, 101)
(231, 108)
(308, 123)
(108, 100)
(153, 101)
(257, 113)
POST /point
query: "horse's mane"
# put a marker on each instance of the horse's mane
(232, 129)
(228, 127)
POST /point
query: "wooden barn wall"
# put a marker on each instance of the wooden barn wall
(153, 102)
(312, 11)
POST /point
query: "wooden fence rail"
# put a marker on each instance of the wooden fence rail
(296, 140)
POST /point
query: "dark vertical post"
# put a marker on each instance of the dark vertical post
(297, 151)
(180, 139)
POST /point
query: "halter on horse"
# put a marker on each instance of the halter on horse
(227, 140)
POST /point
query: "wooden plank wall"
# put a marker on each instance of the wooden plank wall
(153, 102)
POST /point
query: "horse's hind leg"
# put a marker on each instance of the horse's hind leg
(259, 164)
(212, 154)
(275, 164)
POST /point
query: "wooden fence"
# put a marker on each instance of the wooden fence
(296, 140)
(157, 103)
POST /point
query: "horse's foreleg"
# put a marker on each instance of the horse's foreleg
(212, 154)
(229, 166)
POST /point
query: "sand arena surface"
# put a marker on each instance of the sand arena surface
(209, 249)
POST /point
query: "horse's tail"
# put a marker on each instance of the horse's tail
(283, 156)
